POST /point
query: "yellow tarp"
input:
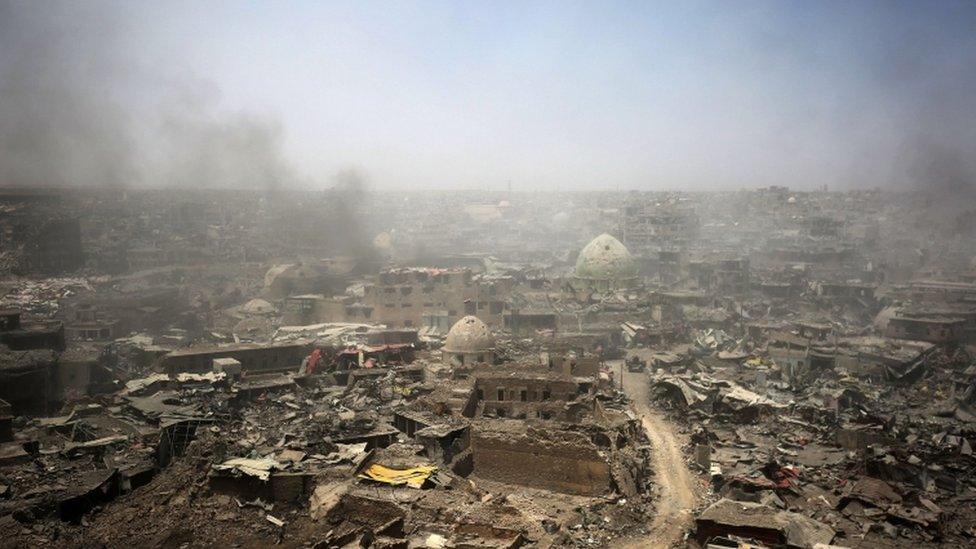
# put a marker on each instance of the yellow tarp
(413, 477)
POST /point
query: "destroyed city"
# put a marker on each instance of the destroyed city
(487, 275)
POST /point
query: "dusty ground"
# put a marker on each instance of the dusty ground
(678, 487)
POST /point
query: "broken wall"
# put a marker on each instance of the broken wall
(552, 460)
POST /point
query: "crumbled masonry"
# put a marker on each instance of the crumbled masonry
(762, 368)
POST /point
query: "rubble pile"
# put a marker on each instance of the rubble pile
(269, 458)
(892, 464)
(763, 368)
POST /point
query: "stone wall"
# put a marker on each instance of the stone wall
(558, 461)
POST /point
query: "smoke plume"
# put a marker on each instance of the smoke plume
(59, 122)
(204, 148)
(354, 231)
(72, 111)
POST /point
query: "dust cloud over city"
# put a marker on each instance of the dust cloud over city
(451, 275)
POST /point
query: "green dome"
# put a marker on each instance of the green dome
(605, 258)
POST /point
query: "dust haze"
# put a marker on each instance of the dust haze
(73, 111)
(927, 67)
(503, 275)
(873, 95)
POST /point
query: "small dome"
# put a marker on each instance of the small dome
(383, 241)
(469, 335)
(605, 258)
(257, 306)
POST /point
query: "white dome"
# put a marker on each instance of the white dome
(469, 335)
(383, 241)
(258, 306)
(605, 258)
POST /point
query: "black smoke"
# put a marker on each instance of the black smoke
(73, 110)
(354, 228)
(203, 147)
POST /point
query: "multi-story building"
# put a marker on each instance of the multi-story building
(415, 297)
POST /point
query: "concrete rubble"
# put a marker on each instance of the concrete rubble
(233, 369)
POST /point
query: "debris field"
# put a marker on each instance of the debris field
(486, 370)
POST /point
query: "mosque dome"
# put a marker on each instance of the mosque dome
(383, 241)
(469, 335)
(605, 258)
(258, 306)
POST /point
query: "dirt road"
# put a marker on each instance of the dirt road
(677, 485)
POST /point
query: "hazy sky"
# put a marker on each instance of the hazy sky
(569, 95)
